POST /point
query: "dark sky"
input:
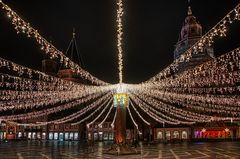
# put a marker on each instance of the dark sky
(151, 29)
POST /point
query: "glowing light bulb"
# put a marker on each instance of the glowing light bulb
(9, 15)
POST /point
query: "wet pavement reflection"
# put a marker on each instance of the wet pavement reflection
(78, 150)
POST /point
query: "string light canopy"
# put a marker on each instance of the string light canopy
(209, 92)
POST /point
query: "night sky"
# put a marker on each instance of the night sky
(151, 29)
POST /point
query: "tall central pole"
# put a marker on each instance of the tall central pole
(120, 122)
(119, 39)
(121, 102)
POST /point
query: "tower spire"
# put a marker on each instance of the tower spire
(73, 33)
(189, 10)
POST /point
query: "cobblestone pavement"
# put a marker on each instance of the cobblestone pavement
(75, 150)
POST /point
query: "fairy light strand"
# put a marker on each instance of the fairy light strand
(119, 39)
(140, 116)
(107, 102)
(44, 112)
(100, 124)
(49, 49)
(100, 114)
(206, 40)
(134, 122)
(114, 118)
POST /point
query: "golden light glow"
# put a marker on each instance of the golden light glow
(121, 99)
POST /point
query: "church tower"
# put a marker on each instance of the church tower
(190, 33)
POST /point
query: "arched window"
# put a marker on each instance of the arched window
(184, 135)
(168, 135)
(176, 135)
(159, 135)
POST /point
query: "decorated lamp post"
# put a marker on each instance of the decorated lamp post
(121, 102)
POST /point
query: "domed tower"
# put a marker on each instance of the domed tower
(190, 33)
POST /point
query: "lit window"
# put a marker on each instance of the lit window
(29, 135)
(75, 136)
(50, 136)
(66, 136)
(71, 136)
(95, 136)
(20, 135)
(43, 135)
(184, 135)
(105, 136)
(175, 134)
(110, 136)
(168, 135)
(34, 135)
(159, 135)
(61, 136)
(55, 136)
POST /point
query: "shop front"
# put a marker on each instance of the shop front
(100, 133)
(11, 130)
(2, 131)
(2, 135)
(213, 133)
(63, 136)
(171, 134)
(216, 130)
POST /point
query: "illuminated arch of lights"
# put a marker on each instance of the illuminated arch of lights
(187, 98)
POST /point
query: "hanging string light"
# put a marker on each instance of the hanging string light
(44, 112)
(107, 102)
(101, 102)
(134, 122)
(100, 124)
(100, 114)
(206, 40)
(50, 50)
(156, 114)
(114, 118)
(119, 39)
(140, 116)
